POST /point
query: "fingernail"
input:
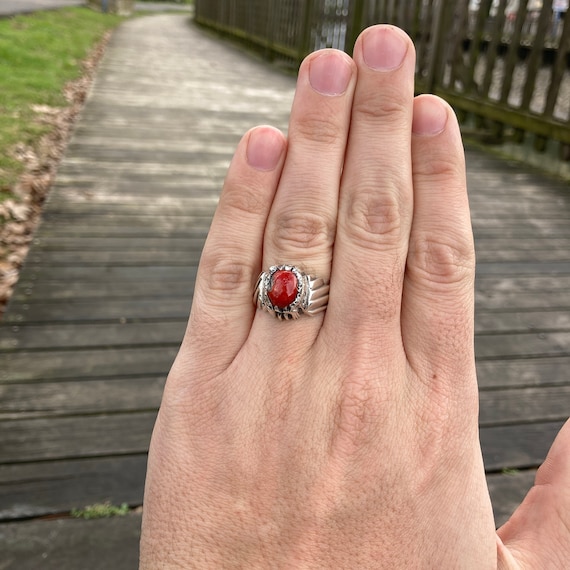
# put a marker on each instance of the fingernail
(264, 148)
(330, 73)
(384, 48)
(430, 116)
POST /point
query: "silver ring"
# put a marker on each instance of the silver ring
(288, 293)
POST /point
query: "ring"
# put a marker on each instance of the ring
(288, 293)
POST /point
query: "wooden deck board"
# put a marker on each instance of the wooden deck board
(102, 302)
(52, 399)
(51, 487)
(72, 544)
(86, 363)
(104, 434)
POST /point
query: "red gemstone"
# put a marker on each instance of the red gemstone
(284, 289)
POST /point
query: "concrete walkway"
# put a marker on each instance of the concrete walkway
(101, 305)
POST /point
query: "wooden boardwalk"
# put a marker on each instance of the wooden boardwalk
(102, 303)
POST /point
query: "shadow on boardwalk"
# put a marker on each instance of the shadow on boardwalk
(102, 303)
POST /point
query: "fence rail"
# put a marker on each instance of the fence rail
(503, 64)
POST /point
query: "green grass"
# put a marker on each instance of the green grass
(39, 54)
(100, 511)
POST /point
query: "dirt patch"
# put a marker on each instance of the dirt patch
(20, 215)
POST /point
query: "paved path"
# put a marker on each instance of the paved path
(101, 306)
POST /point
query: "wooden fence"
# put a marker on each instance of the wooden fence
(502, 64)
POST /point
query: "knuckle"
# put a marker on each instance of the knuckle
(374, 217)
(388, 108)
(223, 276)
(242, 199)
(443, 167)
(442, 261)
(318, 127)
(303, 230)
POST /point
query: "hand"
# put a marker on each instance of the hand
(348, 439)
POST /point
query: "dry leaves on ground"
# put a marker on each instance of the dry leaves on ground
(20, 214)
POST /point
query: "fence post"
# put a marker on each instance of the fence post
(305, 43)
(355, 25)
(436, 39)
(269, 29)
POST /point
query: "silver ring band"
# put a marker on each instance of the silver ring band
(288, 293)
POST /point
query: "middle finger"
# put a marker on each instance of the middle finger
(376, 198)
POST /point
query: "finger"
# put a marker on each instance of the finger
(376, 193)
(538, 533)
(301, 226)
(437, 312)
(231, 258)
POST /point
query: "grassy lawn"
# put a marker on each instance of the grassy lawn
(39, 54)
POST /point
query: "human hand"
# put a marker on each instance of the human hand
(348, 439)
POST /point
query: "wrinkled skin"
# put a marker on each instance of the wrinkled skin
(348, 439)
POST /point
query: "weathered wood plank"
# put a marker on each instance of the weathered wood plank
(497, 300)
(491, 230)
(532, 244)
(524, 405)
(59, 438)
(120, 310)
(48, 487)
(89, 244)
(189, 118)
(555, 320)
(81, 273)
(83, 335)
(499, 346)
(523, 284)
(141, 227)
(47, 399)
(83, 290)
(200, 193)
(500, 229)
(529, 256)
(66, 543)
(77, 364)
(508, 268)
(523, 372)
(519, 446)
(110, 258)
(91, 209)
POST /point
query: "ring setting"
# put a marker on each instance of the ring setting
(287, 293)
